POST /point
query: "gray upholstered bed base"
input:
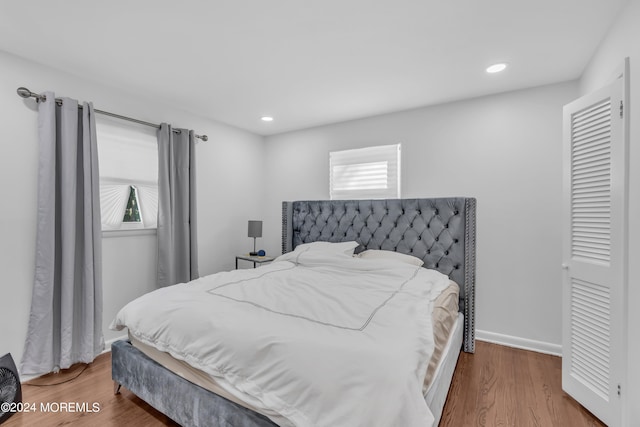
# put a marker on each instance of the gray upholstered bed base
(440, 231)
(177, 398)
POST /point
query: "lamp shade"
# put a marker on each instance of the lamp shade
(255, 228)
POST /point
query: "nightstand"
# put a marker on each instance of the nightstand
(254, 259)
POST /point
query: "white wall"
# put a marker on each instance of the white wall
(505, 150)
(228, 167)
(623, 41)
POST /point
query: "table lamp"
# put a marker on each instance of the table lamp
(255, 230)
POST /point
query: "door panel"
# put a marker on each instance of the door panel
(594, 191)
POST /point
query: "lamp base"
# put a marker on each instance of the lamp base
(253, 253)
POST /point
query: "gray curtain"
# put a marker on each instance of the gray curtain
(65, 323)
(177, 242)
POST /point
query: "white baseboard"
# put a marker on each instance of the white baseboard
(107, 344)
(521, 343)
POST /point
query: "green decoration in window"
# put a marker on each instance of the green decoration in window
(132, 212)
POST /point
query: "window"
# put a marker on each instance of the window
(128, 156)
(365, 173)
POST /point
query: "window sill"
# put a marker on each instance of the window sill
(129, 232)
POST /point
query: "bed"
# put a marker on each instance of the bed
(439, 231)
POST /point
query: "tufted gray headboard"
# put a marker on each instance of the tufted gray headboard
(440, 231)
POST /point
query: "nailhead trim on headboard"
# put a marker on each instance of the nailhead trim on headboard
(470, 276)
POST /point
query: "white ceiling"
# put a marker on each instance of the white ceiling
(304, 62)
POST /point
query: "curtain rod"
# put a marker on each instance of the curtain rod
(26, 93)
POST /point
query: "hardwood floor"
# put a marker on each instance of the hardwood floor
(503, 386)
(496, 386)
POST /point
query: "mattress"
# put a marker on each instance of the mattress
(444, 315)
(436, 395)
(445, 318)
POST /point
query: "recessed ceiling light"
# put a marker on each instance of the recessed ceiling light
(496, 68)
(266, 119)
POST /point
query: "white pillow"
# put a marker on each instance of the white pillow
(341, 247)
(381, 254)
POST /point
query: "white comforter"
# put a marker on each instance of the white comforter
(321, 339)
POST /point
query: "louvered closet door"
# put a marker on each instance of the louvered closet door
(594, 251)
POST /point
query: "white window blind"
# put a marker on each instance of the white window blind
(365, 173)
(128, 156)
